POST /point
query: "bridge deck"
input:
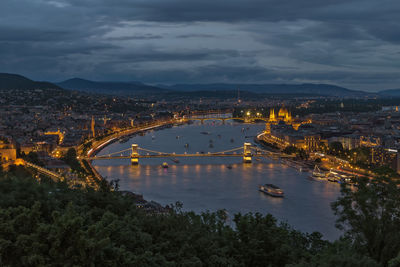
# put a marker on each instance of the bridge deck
(181, 155)
(44, 171)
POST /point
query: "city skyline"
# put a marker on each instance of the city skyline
(347, 43)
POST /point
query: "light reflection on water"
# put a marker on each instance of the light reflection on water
(207, 184)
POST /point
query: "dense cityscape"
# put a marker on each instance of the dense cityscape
(362, 142)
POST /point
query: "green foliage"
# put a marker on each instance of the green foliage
(33, 157)
(50, 224)
(270, 145)
(336, 148)
(340, 253)
(300, 153)
(370, 217)
(385, 171)
(71, 159)
(290, 150)
(261, 240)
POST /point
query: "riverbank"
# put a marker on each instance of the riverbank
(95, 178)
(299, 164)
(96, 146)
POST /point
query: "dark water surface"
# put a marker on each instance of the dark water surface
(207, 184)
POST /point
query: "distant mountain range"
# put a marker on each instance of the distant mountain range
(14, 81)
(117, 88)
(298, 89)
(390, 92)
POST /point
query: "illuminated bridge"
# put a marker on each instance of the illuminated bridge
(224, 117)
(134, 153)
(44, 171)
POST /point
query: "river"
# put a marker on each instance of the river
(207, 184)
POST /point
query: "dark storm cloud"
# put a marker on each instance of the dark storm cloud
(195, 36)
(135, 37)
(217, 10)
(160, 56)
(343, 42)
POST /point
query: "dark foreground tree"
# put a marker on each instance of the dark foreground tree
(370, 217)
(48, 224)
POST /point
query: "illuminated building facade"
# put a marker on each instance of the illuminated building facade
(282, 130)
(58, 133)
(7, 151)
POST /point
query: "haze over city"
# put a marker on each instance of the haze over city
(350, 43)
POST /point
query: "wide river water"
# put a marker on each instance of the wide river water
(208, 184)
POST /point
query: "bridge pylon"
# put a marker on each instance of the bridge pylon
(135, 154)
(247, 155)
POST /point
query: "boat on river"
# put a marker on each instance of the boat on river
(175, 160)
(333, 177)
(271, 190)
(164, 165)
(124, 139)
(317, 173)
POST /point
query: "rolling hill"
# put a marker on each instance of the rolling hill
(14, 82)
(390, 92)
(307, 89)
(115, 88)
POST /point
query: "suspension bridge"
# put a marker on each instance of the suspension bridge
(134, 153)
(224, 117)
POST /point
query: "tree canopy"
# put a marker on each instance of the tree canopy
(370, 217)
(49, 224)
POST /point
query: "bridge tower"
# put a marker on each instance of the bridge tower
(247, 156)
(268, 128)
(135, 154)
(92, 124)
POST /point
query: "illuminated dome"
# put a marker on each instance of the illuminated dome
(282, 112)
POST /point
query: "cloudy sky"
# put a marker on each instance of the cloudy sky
(353, 43)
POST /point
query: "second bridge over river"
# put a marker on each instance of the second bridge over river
(134, 153)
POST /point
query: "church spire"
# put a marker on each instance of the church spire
(272, 117)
